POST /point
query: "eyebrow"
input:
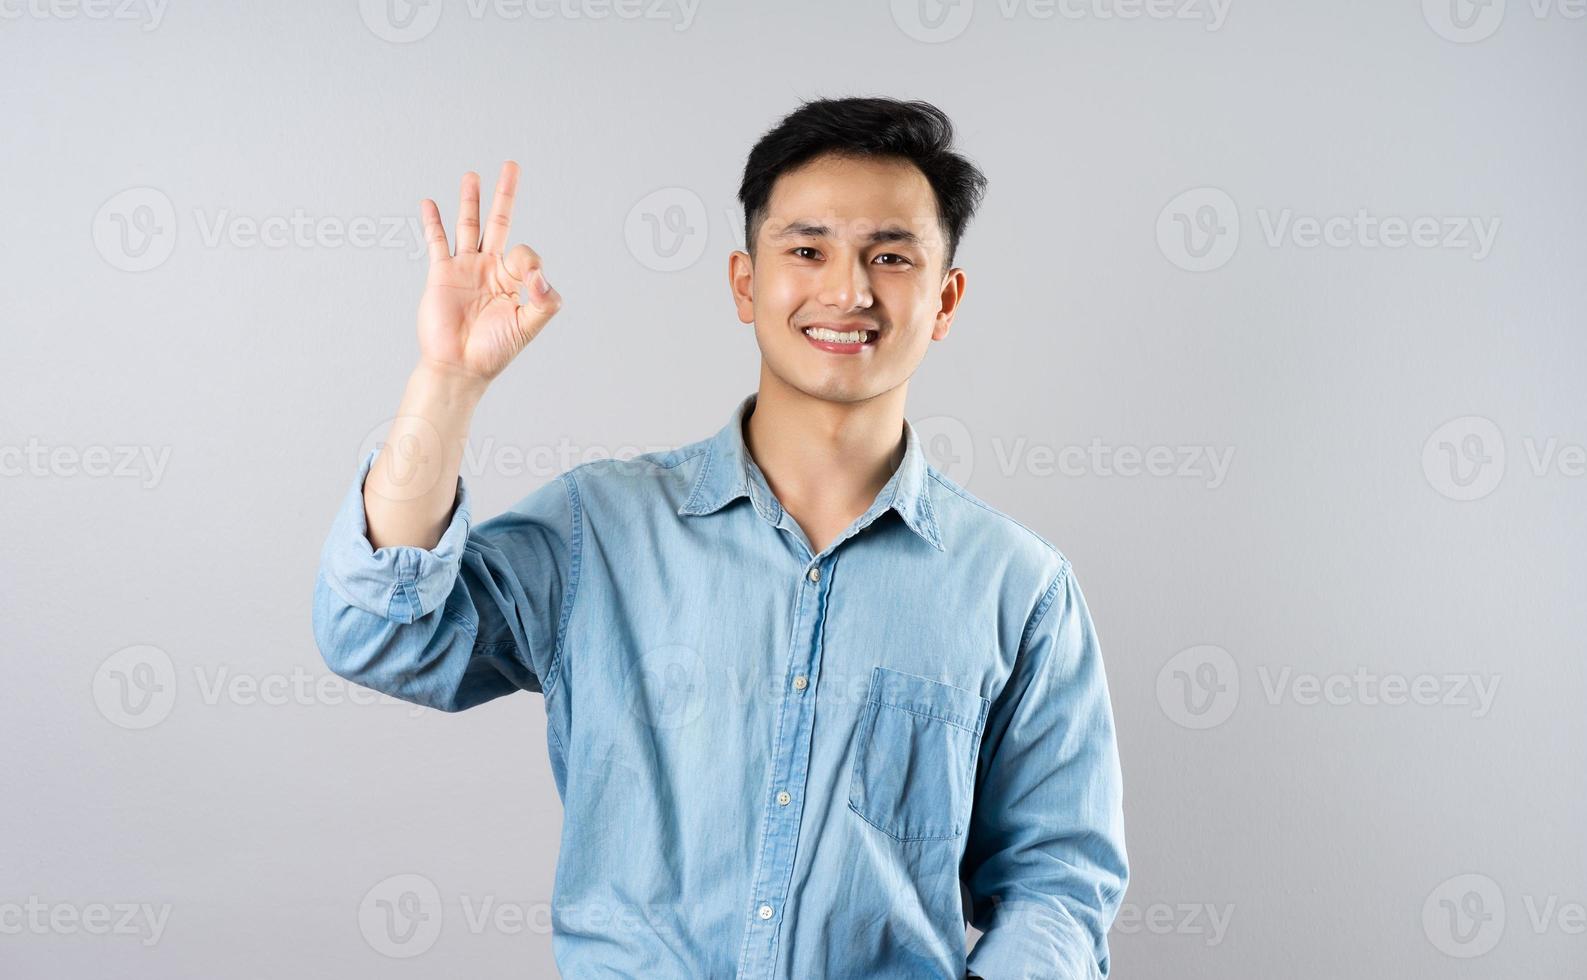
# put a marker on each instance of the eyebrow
(806, 229)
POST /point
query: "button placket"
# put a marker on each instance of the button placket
(790, 770)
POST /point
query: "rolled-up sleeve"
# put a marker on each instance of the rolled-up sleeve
(479, 616)
(1045, 863)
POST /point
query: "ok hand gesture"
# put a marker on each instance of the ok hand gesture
(470, 319)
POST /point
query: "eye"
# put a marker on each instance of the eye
(893, 255)
(801, 248)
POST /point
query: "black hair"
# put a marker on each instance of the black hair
(915, 131)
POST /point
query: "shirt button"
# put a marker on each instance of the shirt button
(801, 682)
(783, 798)
(765, 911)
(815, 574)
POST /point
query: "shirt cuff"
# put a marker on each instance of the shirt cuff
(1027, 942)
(401, 583)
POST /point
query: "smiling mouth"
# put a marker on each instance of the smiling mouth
(842, 337)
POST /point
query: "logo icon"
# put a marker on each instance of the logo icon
(1464, 916)
(136, 687)
(1199, 687)
(667, 230)
(667, 687)
(1464, 458)
(400, 460)
(401, 916)
(400, 21)
(947, 445)
(135, 230)
(1199, 229)
(1464, 21)
(932, 21)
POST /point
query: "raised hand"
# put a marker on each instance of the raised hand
(471, 322)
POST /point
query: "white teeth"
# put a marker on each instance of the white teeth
(834, 337)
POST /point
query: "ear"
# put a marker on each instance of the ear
(741, 280)
(953, 284)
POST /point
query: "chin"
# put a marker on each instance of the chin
(826, 383)
(843, 390)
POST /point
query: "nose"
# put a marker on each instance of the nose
(845, 283)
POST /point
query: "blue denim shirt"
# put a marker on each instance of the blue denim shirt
(772, 763)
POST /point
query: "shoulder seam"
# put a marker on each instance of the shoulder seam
(965, 495)
(570, 484)
(666, 466)
(575, 564)
(1040, 612)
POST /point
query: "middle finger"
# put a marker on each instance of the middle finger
(468, 215)
(501, 209)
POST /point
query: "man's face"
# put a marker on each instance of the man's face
(849, 244)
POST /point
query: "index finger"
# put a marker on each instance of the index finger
(434, 234)
(500, 210)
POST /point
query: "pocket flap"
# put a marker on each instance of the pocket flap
(924, 696)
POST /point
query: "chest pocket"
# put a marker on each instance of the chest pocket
(914, 756)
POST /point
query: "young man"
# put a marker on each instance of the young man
(811, 706)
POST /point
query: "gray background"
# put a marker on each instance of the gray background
(1393, 512)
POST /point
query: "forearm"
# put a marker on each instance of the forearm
(412, 486)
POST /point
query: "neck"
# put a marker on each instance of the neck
(825, 456)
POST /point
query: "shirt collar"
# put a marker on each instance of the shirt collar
(729, 472)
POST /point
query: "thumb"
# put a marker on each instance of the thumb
(544, 301)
